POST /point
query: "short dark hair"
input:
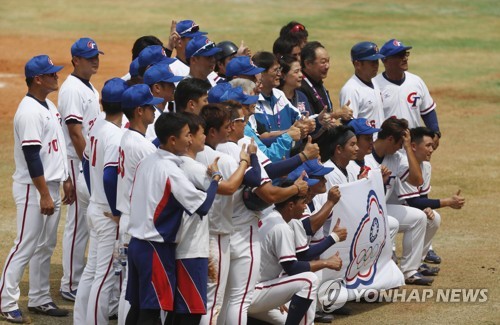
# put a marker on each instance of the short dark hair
(214, 115)
(329, 140)
(284, 47)
(129, 113)
(264, 60)
(308, 52)
(295, 31)
(286, 64)
(287, 183)
(111, 108)
(29, 81)
(418, 134)
(194, 121)
(142, 42)
(169, 124)
(394, 127)
(189, 89)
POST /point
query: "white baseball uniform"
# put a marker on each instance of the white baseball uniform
(410, 101)
(366, 101)
(277, 245)
(412, 222)
(180, 69)
(133, 148)
(34, 124)
(150, 131)
(92, 300)
(79, 103)
(244, 247)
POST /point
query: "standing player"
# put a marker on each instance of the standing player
(40, 157)
(79, 107)
(134, 146)
(364, 97)
(404, 94)
(200, 53)
(92, 301)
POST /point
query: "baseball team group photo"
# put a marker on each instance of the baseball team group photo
(225, 162)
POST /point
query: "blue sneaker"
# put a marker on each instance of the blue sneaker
(419, 280)
(49, 309)
(427, 270)
(432, 257)
(15, 316)
(68, 295)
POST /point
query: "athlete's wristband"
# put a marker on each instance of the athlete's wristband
(335, 237)
(305, 156)
(244, 160)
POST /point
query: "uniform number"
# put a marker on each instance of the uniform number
(121, 162)
(93, 149)
(53, 145)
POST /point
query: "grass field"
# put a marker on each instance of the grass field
(456, 51)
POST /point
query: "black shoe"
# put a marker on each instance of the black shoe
(49, 309)
(432, 257)
(419, 280)
(322, 317)
(427, 270)
(344, 310)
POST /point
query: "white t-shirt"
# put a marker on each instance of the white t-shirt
(78, 102)
(34, 124)
(192, 236)
(105, 140)
(133, 148)
(276, 246)
(366, 102)
(161, 193)
(410, 101)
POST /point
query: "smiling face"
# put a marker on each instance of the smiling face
(182, 142)
(365, 145)
(198, 140)
(318, 69)
(271, 77)
(424, 149)
(397, 63)
(294, 77)
(366, 70)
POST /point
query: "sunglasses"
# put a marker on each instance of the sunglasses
(297, 28)
(192, 29)
(402, 55)
(210, 45)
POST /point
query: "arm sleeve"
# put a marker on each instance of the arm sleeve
(209, 200)
(283, 167)
(306, 223)
(110, 179)
(33, 160)
(315, 251)
(168, 52)
(295, 267)
(423, 202)
(252, 175)
(277, 150)
(269, 141)
(431, 120)
(86, 172)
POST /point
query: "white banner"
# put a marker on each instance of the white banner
(366, 253)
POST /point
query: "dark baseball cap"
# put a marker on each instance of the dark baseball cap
(112, 90)
(365, 51)
(139, 95)
(160, 73)
(39, 65)
(242, 65)
(215, 94)
(201, 46)
(85, 47)
(188, 28)
(153, 54)
(362, 126)
(238, 95)
(392, 47)
(295, 174)
(134, 68)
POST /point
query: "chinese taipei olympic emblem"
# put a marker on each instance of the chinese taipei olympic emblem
(367, 245)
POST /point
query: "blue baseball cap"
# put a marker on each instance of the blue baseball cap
(188, 28)
(295, 174)
(85, 47)
(133, 69)
(112, 90)
(215, 94)
(153, 54)
(139, 95)
(40, 64)
(160, 72)
(365, 51)
(392, 47)
(201, 46)
(242, 65)
(238, 95)
(362, 126)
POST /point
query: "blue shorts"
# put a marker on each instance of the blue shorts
(151, 275)
(191, 293)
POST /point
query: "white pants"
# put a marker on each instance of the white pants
(219, 260)
(124, 305)
(272, 294)
(430, 231)
(35, 241)
(243, 273)
(76, 233)
(393, 229)
(92, 300)
(412, 223)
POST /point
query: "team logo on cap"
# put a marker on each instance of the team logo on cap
(50, 61)
(412, 99)
(91, 45)
(396, 43)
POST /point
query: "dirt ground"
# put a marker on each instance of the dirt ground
(466, 241)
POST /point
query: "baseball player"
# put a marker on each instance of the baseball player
(364, 97)
(191, 95)
(40, 157)
(161, 193)
(200, 54)
(134, 146)
(404, 94)
(278, 254)
(422, 145)
(79, 107)
(92, 301)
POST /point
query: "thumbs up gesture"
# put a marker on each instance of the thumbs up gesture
(340, 231)
(345, 112)
(311, 150)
